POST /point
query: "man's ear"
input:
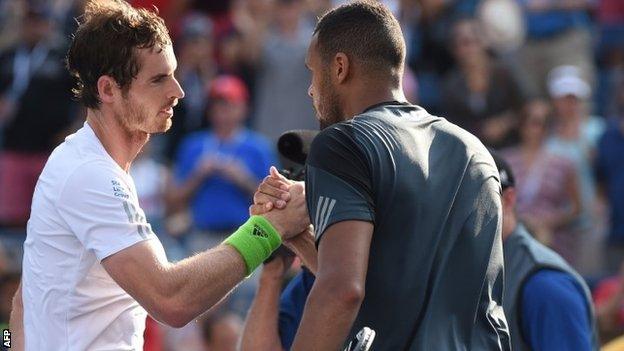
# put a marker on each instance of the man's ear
(509, 198)
(341, 67)
(107, 89)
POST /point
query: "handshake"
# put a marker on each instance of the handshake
(282, 202)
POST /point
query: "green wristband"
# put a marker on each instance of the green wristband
(255, 241)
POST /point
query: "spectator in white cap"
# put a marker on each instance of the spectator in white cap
(574, 137)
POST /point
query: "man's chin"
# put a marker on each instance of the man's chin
(162, 128)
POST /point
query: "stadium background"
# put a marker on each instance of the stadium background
(540, 80)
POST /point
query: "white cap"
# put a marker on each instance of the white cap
(567, 80)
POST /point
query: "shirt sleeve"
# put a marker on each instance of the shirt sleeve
(102, 210)
(292, 303)
(555, 314)
(338, 181)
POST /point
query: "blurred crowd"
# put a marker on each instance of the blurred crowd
(542, 81)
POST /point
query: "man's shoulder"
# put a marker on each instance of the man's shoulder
(338, 139)
(74, 163)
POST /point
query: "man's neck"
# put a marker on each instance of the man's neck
(121, 144)
(365, 98)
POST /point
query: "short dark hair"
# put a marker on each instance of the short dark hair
(505, 173)
(365, 30)
(105, 43)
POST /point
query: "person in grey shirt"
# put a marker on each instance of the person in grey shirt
(277, 50)
(406, 206)
(547, 303)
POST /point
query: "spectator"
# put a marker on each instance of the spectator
(547, 195)
(196, 69)
(429, 55)
(558, 34)
(35, 108)
(547, 303)
(217, 171)
(481, 93)
(278, 47)
(575, 135)
(610, 176)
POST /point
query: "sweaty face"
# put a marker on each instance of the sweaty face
(148, 104)
(324, 96)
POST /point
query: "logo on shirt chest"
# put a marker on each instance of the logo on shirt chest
(119, 190)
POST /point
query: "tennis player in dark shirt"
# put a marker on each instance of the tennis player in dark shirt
(406, 206)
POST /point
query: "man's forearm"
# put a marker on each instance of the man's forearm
(176, 293)
(201, 281)
(328, 317)
(303, 246)
(261, 327)
(16, 322)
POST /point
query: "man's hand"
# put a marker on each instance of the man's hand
(303, 245)
(293, 219)
(277, 267)
(272, 193)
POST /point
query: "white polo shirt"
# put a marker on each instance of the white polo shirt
(85, 208)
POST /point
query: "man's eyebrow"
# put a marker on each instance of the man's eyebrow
(159, 76)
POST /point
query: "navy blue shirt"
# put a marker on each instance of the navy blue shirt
(610, 172)
(554, 313)
(292, 303)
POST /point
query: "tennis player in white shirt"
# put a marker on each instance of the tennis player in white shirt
(92, 266)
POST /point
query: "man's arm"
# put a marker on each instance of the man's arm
(261, 326)
(338, 291)
(176, 293)
(555, 314)
(303, 246)
(16, 322)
